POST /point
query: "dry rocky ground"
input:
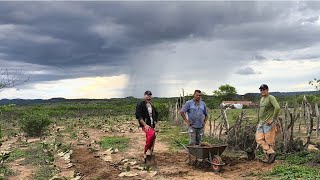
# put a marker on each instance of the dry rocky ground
(85, 159)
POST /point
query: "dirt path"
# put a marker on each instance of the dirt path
(169, 165)
(21, 172)
(92, 167)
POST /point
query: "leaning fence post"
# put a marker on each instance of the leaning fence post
(210, 123)
(176, 113)
(309, 120)
(214, 127)
(285, 133)
(318, 119)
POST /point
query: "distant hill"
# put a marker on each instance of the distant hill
(56, 100)
(30, 101)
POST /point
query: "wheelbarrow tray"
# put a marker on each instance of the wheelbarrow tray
(205, 152)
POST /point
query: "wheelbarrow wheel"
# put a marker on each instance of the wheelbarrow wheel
(216, 160)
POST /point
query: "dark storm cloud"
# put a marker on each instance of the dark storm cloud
(259, 57)
(75, 34)
(79, 39)
(247, 71)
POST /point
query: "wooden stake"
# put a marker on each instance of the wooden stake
(285, 133)
(317, 120)
(210, 123)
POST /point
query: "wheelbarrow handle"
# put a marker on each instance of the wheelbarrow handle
(183, 146)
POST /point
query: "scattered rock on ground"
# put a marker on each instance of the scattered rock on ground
(312, 147)
(107, 158)
(128, 174)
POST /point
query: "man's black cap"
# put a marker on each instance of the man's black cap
(148, 93)
(264, 86)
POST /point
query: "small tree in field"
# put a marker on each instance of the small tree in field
(11, 79)
(35, 123)
(225, 92)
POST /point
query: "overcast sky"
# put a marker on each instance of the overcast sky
(119, 49)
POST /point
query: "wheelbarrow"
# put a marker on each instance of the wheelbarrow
(210, 154)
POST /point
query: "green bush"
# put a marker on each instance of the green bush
(35, 123)
(300, 158)
(293, 172)
(163, 111)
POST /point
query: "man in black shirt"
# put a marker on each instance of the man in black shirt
(147, 117)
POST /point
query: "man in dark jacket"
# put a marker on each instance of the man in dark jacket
(147, 117)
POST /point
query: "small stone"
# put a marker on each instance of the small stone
(125, 160)
(77, 178)
(115, 151)
(70, 165)
(312, 147)
(107, 152)
(128, 174)
(80, 143)
(66, 156)
(138, 168)
(152, 173)
(33, 140)
(61, 154)
(143, 173)
(133, 163)
(107, 158)
(56, 178)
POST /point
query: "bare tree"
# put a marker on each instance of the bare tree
(11, 79)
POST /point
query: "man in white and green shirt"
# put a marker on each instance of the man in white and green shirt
(266, 130)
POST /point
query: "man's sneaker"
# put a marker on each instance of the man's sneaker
(265, 159)
(148, 153)
(145, 158)
(272, 158)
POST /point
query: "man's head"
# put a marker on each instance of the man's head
(148, 96)
(264, 89)
(197, 95)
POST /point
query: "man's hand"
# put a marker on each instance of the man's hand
(204, 124)
(147, 127)
(188, 122)
(269, 122)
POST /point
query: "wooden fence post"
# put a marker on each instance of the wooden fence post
(309, 120)
(285, 133)
(317, 119)
(210, 123)
(214, 127)
(301, 116)
(176, 112)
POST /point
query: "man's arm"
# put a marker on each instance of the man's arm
(183, 114)
(183, 111)
(276, 106)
